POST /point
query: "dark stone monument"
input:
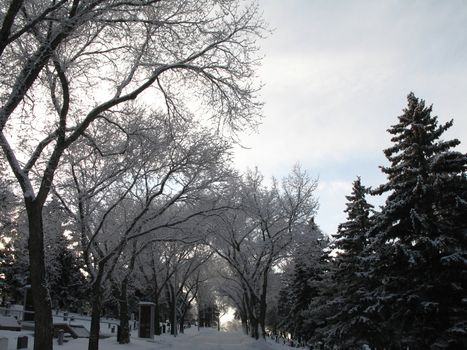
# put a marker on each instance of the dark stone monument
(146, 320)
(28, 307)
(60, 336)
(22, 342)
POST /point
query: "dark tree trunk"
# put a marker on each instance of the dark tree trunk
(181, 323)
(243, 318)
(124, 314)
(263, 305)
(157, 311)
(244, 315)
(43, 332)
(171, 310)
(254, 327)
(96, 305)
(253, 321)
(251, 306)
(157, 317)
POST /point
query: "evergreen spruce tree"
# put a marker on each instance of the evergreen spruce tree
(348, 326)
(14, 268)
(67, 283)
(301, 293)
(310, 287)
(420, 237)
(68, 287)
(303, 285)
(13, 249)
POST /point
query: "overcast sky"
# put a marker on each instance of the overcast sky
(336, 76)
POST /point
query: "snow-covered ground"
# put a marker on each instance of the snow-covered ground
(205, 339)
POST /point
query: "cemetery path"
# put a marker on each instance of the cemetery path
(205, 339)
(210, 339)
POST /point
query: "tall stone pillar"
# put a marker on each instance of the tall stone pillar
(146, 320)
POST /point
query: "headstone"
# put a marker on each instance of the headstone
(60, 336)
(79, 330)
(28, 306)
(3, 343)
(146, 320)
(22, 342)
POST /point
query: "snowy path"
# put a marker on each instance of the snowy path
(205, 339)
(209, 339)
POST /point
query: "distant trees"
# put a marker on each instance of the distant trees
(12, 245)
(259, 235)
(302, 286)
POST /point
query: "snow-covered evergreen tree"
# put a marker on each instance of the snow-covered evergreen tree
(347, 324)
(303, 285)
(420, 237)
(14, 267)
(13, 248)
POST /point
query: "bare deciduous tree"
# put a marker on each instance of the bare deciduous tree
(161, 181)
(67, 64)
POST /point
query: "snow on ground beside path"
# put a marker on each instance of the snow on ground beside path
(205, 339)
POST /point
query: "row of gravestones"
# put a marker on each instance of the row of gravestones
(146, 315)
(22, 343)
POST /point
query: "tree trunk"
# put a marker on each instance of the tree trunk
(253, 322)
(96, 305)
(251, 303)
(244, 315)
(157, 311)
(171, 309)
(263, 305)
(157, 316)
(124, 316)
(43, 331)
(182, 322)
(244, 322)
(254, 327)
